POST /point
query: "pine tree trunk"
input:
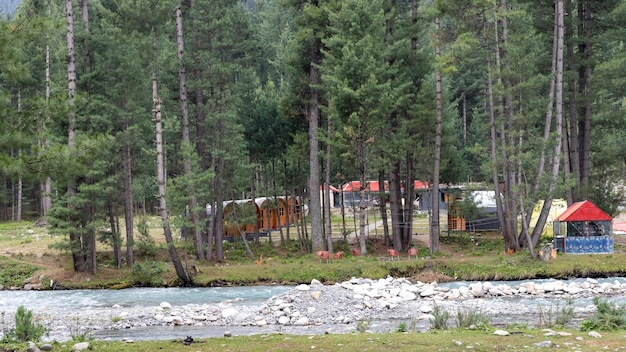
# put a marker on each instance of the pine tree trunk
(493, 139)
(434, 217)
(46, 188)
(585, 86)
(509, 142)
(182, 274)
(20, 186)
(327, 192)
(570, 135)
(543, 216)
(395, 203)
(75, 238)
(186, 141)
(128, 204)
(362, 205)
(383, 207)
(409, 195)
(315, 206)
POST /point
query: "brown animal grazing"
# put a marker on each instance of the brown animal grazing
(338, 255)
(393, 253)
(324, 255)
(356, 252)
(412, 252)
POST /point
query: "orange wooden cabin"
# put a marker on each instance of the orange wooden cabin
(260, 214)
(243, 213)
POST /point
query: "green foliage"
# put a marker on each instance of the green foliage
(148, 273)
(565, 313)
(608, 316)
(26, 329)
(472, 317)
(79, 332)
(13, 273)
(440, 318)
(145, 245)
(362, 325)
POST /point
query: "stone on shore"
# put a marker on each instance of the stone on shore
(81, 346)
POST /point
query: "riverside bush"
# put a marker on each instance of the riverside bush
(145, 245)
(25, 328)
(556, 315)
(148, 273)
(440, 318)
(467, 317)
(609, 316)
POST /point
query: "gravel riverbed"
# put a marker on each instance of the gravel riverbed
(354, 305)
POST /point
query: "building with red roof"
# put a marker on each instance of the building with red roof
(583, 228)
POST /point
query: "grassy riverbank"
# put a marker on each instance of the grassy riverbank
(449, 340)
(27, 253)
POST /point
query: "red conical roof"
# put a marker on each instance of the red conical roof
(582, 211)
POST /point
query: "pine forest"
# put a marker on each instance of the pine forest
(116, 109)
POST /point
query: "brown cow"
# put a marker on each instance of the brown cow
(324, 255)
(393, 253)
(338, 255)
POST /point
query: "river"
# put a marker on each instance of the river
(70, 311)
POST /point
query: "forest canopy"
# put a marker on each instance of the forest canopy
(279, 97)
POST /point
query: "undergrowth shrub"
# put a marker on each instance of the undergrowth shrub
(556, 315)
(467, 317)
(608, 317)
(13, 273)
(79, 332)
(145, 245)
(439, 321)
(147, 273)
(363, 325)
(26, 329)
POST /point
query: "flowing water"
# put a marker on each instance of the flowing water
(90, 303)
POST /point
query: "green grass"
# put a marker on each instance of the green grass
(461, 258)
(448, 340)
(13, 273)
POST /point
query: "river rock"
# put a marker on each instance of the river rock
(80, 346)
(543, 344)
(594, 334)
(229, 312)
(302, 321)
(32, 347)
(428, 291)
(303, 287)
(165, 305)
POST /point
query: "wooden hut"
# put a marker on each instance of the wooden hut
(292, 209)
(583, 228)
(473, 211)
(241, 215)
(268, 207)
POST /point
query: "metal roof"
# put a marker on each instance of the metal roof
(583, 211)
